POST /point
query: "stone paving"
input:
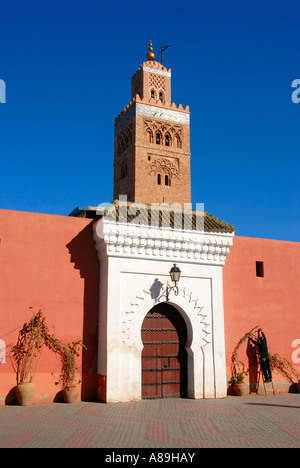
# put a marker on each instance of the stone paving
(245, 422)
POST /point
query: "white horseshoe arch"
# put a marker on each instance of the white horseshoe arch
(199, 341)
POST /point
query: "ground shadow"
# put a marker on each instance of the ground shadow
(84, 256)
(59, 398)
(272, 404)
(293, 388)
(11, 397)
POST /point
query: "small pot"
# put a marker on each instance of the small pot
(240, 389)
(70, 394)
(25, 392)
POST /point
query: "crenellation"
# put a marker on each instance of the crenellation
(149, 102)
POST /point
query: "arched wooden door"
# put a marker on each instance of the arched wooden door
(164, 358)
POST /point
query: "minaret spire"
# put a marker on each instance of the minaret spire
(150, 55)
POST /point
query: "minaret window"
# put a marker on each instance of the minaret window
(161, 96)
(150, 136)
(167, 140)
(167, 180)
(152, 93)
(177, 141)
(158, 179)
(158, 138)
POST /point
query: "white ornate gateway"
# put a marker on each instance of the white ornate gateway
(135, 260)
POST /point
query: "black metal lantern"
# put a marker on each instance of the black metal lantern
(175, 274)
(175, 277)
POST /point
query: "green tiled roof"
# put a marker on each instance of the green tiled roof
(165, 216)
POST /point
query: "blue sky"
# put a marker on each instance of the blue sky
(67, 66)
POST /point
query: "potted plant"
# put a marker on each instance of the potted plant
(26, 353)
(238, 375)
(67, 353)
(25, 356)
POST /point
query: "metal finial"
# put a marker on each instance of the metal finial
(150, 55)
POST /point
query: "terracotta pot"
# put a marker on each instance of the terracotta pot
(25, 392)
(70, 394)
(240, 389)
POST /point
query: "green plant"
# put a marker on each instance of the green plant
(277, 363)
(67, 353)
(238, 369)
(284, 367)
(26, 353)
(239, 372)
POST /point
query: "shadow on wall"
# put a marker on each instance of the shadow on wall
(85, 259)
(156, 290)
(253, 367)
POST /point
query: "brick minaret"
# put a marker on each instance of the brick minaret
(152, 141)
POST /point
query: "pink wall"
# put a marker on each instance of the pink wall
(49, 262)
(272, 302)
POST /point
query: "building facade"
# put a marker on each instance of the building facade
(142, 359)
(140, 343)
(103, 276)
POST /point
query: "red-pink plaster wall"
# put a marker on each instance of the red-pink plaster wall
(273, 302)
(49, 262)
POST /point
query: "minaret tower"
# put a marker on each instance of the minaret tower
(152, 141)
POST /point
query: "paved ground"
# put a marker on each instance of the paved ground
(252, 421)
